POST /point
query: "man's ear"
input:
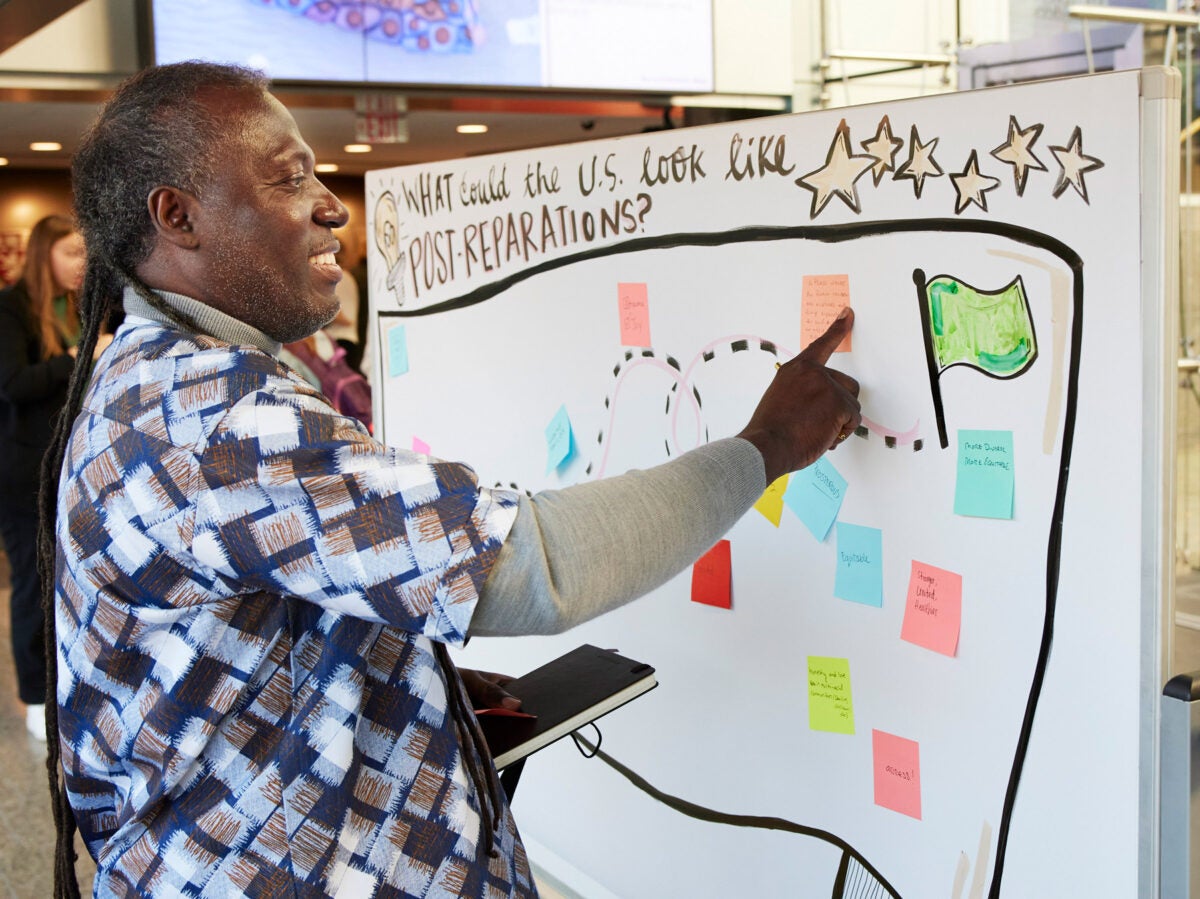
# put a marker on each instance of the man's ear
(173, 210)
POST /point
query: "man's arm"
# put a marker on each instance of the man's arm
(576, 553)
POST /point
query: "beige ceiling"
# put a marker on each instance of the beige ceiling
(327, 122)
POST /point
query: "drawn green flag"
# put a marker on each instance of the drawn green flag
(988, 330)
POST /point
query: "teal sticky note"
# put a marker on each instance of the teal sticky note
(859, 564)
(815, 494)
(984, 487)
(397, 351)
(560, 444)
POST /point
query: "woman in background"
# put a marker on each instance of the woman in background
(36, 357)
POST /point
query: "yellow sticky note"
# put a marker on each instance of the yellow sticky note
(770, 504)
(830, 704)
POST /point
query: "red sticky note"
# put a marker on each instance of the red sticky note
(633, 303)
(933, 611)
(420, 446)
(712, 576)
(822, 298)
(897, 773)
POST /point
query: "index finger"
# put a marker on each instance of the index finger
(822, 348)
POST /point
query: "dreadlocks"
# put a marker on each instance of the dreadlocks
(154, 131)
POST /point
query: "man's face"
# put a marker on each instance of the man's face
(267, 237)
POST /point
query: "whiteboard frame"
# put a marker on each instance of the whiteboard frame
(1159, 285)
(1160, 90)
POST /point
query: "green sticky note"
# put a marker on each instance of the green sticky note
(830, 705)
(397, 351)
(984, 488)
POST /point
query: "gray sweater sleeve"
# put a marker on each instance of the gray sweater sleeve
(576, 553)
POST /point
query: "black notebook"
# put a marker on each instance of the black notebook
(564, 695)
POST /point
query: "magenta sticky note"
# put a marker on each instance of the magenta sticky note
(420, 446)
(634, 307)
(897, 763)
(933, 611)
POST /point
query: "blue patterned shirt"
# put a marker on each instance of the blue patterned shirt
(248, 590)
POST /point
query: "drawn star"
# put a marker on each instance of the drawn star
(1018, 152)
(837, 176)
(920, 163)
(883, 148)
(1074, 165)
(972, 186)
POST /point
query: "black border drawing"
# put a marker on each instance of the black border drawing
(838, 234)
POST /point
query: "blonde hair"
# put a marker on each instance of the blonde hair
(38, 276)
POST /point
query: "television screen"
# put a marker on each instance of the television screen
(608, 45)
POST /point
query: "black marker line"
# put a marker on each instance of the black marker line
(852, 231)
(935, 386)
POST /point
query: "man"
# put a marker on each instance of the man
(253, 596)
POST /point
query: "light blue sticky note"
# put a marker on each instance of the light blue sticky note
(984, 487)
(397, 351)
(859, 564)
(815, 494)
(559, 442)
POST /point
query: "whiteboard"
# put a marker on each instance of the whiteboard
(980, 761)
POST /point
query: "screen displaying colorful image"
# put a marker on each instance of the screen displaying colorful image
(652, 45)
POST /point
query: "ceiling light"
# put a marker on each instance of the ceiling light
(326, 167)
(3, 160)
(357, 148)
(45, 146)
(472, 129)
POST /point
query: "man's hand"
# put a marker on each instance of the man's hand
(486, 690)
(808, 408)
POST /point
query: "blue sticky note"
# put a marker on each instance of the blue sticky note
(559, 441)
(397, 351)
(859, 564)
(984, 487)
(815, 494)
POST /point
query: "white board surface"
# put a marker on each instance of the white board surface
(509, 309)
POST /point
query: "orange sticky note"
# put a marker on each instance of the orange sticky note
(897, 773)
(633, 304)
(933, 611)
(712, 576)
(770, 504)
(822, 298)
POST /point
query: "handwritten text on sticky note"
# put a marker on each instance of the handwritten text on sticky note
(634, 308)
(897, 764)
(397, 351)
(822, 298)
(859, 575)
(559, 444)
(770, 504)
(830, 703)
(984, 488)
(712, 577)
(933, 610)
(815, 494)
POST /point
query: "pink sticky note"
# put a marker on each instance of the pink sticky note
(933, 611)
(634, 307)
(711, 577)
(897, 773)
(822, 298)
(420, 446)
